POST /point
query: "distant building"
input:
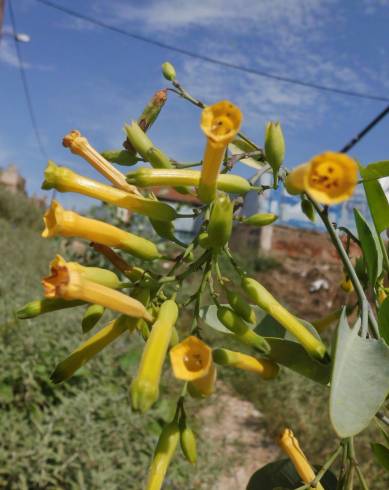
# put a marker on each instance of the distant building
(12, 180)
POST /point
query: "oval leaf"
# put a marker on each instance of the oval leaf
(360, 372)
(378, 203)
(376, 170)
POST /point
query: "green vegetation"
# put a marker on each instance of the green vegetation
(81, 434)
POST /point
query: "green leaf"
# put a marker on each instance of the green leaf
(6, 393)
(378, 203)
(381, 455)
(372, 252)
(383, 320)
(360, 373)
(285, 349)
(282, 474)
(376, 170)
(241, 146)
(292, 355)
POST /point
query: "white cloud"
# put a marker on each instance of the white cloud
(9, 57)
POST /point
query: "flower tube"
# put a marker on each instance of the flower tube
(46, 305)
(65, 180)
(220, 123)
(163, 454)
(265, 368)
(191, 359)
(92, 347)
(79, 145)
(329, 178)
(145, 386)
(59, 222)
(262, 298)
(205, 386)
(290, 445)
(147, 177)
(69, 284)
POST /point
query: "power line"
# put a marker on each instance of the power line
(365, 130)
(208, 59)
(26, 89)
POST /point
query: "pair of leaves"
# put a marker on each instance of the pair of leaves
(285, 349)
(282, 475)
(359, 381)
(239, 146)
(371, 248)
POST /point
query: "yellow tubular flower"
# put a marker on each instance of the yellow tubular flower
(80, 146)
(166, 447)
(91, 347)
(265, 368)
(69, 284)
(329, 178)
(191, 359)
(262, 298)
(65, 180)
(203, 387)
(145, 386)
(220, 123)
(290, 445)
(95, 274)
(59, 222)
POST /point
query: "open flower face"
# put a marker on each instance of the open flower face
(53, 218)
(191, 359)
(56, 285)
(220, 122)
(331, 177)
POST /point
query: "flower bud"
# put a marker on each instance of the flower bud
(91, 347)
(65, 180)
(46, 305)
(266, 368)
(220, 123)
(240, 306)
(260, 219)
(146, 177)
(152, 109)
(59, 222)
(163, 454)
(91, 317)
(220, 221)
(241, 330)
(262, 298)
(145, 386)
(308, 209)
(122, 157)
(188, 442)
(274, 146)
(168, 71)
(204, 240)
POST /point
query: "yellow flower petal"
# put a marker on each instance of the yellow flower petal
(191, 359)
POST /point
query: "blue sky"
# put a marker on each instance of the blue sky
(83, 77)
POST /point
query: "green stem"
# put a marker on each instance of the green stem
(384, 251)
(323, 470)
(367, 314)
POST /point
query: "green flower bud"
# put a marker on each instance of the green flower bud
(220, 221)
(163, 454)
(260, 219)
(241, 307)
(122, 157)
(188, 442)
(168, 71)
(91, 316)
(274, 147)
(308, 209)
(46, 305)
(152, 109)
(240, 329)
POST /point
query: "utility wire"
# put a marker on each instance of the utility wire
(26, 89)
(208, 59)
(365, 130)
